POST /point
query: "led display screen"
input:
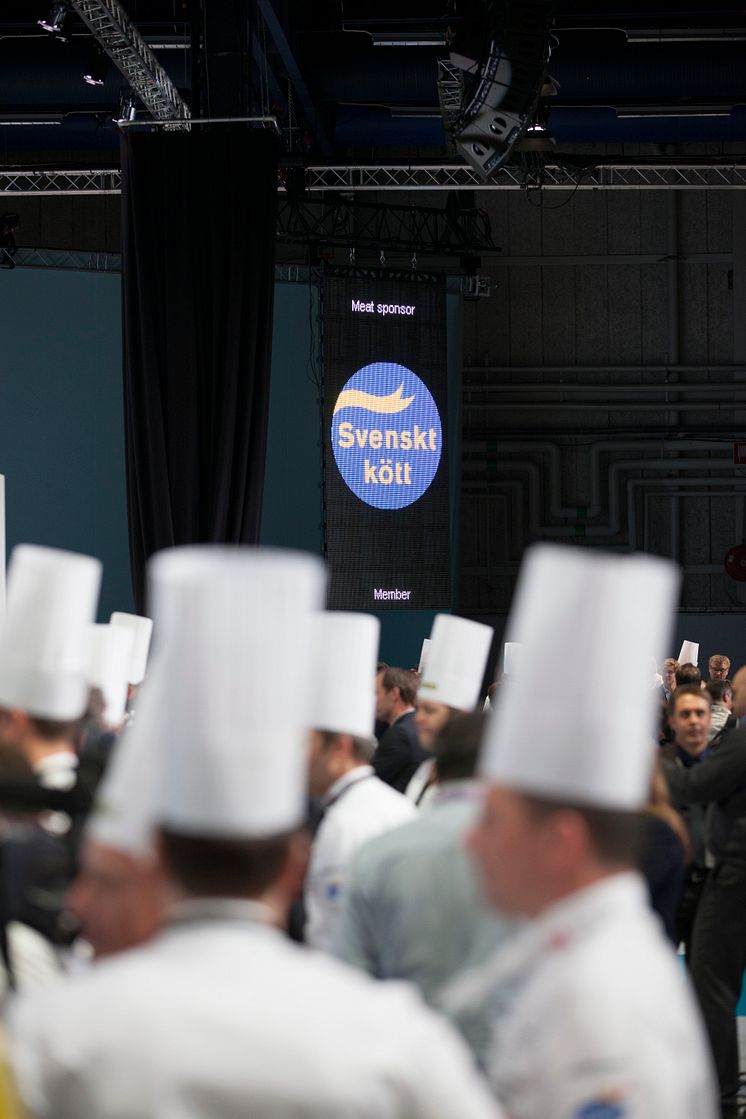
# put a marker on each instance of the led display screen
(386, 460)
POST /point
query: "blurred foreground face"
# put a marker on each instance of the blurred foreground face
(509, 846)
(119, 899)
(690, 723)
(739, 693)
(430, 718)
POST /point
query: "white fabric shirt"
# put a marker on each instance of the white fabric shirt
(605, 1024)
(413, 908)
(421, 789)
(358, 807)
(221, 1016)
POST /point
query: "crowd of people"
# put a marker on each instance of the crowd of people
(511, 900)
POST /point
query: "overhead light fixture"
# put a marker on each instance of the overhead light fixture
(127, 106)
(632, 112)
(57, 17)
(16, 120)
(95, 72)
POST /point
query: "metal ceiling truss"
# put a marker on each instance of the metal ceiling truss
(112, 28)
(450, 176)
(104, 181)
(68, 260)
(347, 179)
(361, 225)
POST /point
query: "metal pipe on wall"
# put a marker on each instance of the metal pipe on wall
(738, 366)
(594, 509)
(709, 387)
(613, 526)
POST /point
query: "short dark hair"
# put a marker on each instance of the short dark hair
(209, 867)
(402, 679)
(688, 674)
(616, 835)
(362, 748)
(717, 689)
(52, 729)
(684, 690)
(456, 748)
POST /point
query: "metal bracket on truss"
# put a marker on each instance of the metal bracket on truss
(111, 26)
(451, 98)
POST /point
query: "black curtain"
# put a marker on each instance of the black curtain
(198, 228)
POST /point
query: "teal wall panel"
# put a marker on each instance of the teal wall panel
(61, 426)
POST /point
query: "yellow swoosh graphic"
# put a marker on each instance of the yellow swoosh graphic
(387, 405)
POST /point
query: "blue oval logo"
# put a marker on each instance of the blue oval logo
(386, 435)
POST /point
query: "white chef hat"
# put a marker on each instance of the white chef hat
(231, 714)
(52, 599)
(512, 656)
(590, 623)
(689, 652)
(456, 661)
(142, 631)
(124, 809)
(423, 655)
(109, 655)
(344, 656)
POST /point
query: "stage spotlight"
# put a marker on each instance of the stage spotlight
(57, 17)
(95, 72)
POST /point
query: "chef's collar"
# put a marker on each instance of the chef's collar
(461, 791)
(560, 923)
(359, 773)
(190, 910)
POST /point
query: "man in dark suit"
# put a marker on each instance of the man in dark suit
(399, 753)
(719, 940)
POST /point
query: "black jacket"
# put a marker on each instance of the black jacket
(399, 753)
(719, 780)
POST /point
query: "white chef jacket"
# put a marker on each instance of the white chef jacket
(357, 807)
(221, 1016)
(605, 1025)
(58, 770)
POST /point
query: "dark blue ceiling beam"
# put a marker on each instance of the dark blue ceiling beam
(284, 50)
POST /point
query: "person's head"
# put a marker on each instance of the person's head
(332, 755)
(689, 715)
(532, 852)
(688, 674)
(430, 719)
(668, 672)
(16, 726)
(718, 667)
(270, 869)
(720, 692)
(395, 692)
(456, 748)
(738, 685)
(119, 899)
